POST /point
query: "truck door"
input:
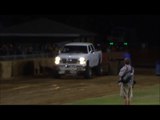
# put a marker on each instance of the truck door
(95, 56)
(91, 56)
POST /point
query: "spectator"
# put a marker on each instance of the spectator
(126, 88)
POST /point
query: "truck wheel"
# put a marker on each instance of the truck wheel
(99, 70)
(88, 72)
(57, 75)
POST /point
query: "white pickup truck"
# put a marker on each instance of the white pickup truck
(78, 58)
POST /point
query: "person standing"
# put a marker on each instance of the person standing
(126, 90)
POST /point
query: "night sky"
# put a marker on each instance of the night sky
(146, 26)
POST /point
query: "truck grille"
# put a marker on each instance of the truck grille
(69, 61)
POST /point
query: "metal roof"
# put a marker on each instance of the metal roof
(44, 27)
(79, 43)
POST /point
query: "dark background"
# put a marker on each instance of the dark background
(146, 25)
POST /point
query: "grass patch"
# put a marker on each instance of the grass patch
(144, 96)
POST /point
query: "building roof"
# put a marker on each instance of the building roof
(79, 43)
(44, 27)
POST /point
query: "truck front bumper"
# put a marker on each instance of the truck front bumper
(71, 69)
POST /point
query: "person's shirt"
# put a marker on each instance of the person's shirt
(127, 68)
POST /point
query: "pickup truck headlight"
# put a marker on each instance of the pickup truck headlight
(82, 60)
(57, 60)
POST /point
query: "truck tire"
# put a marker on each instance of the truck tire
(56, 75)
(88, 72)
(99, 70)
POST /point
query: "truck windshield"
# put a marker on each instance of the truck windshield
(74, 49)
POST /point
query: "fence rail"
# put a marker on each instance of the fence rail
(16, 57)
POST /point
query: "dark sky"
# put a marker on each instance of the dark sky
(146, 26)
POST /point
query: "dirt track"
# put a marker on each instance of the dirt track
(50, 91)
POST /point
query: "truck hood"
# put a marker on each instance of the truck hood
(72, 55)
